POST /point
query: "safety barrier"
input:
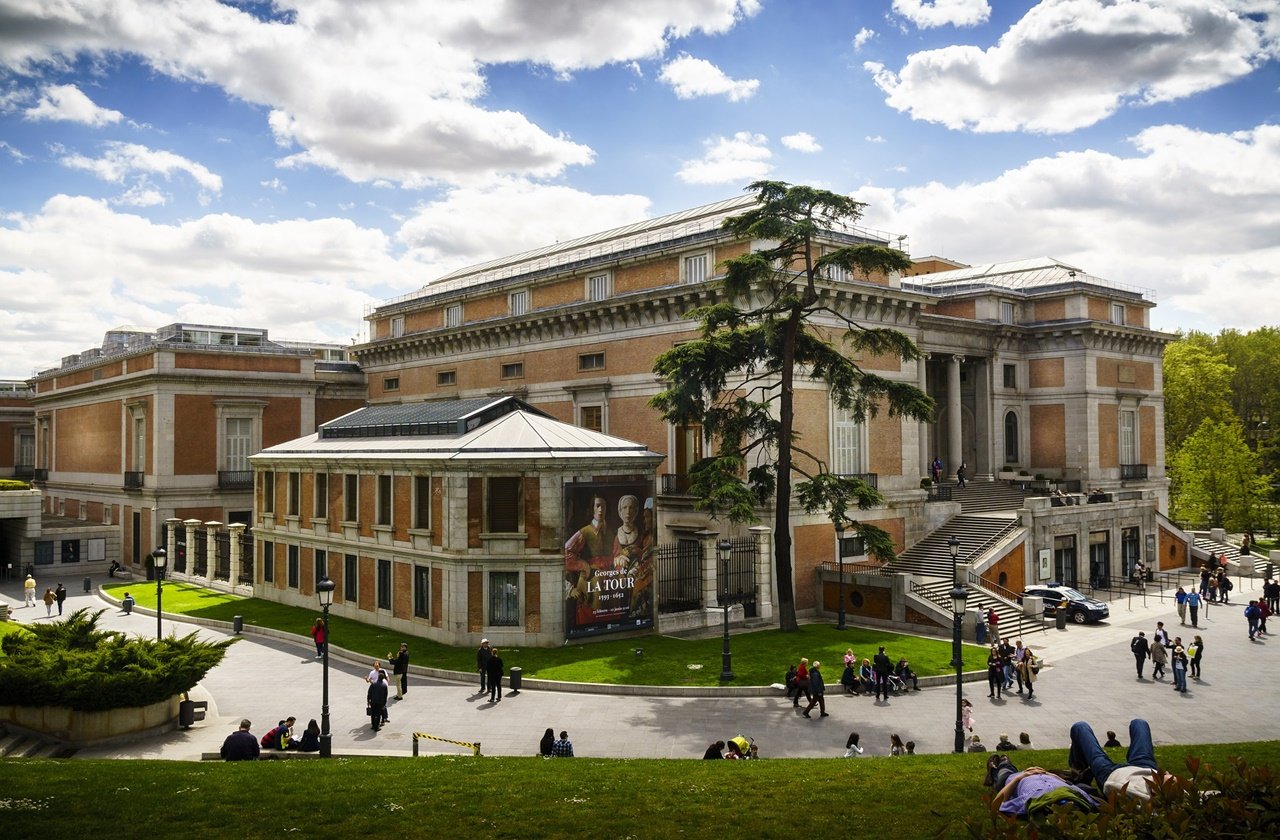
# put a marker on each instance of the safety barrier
(475, 746)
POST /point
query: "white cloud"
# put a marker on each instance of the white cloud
(1071, 63)
(742, 157)
(274, 184)
(69, 103)
(392, 93)
(801, 141)
(860, 40)
(1191, 214)
(217, 267)
(137, 163)
(467, 226)
(927, 14)
(141, 196)
(693, 77)
(14, 152)
(874, 138)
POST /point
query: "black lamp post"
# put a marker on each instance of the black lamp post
(840, 625)
(158, 556)
(959, 595)
(725, 549)
(324, 591)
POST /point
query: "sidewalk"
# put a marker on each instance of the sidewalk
(1091, 676)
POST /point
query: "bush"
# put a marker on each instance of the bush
(926, 483)
(1242, 801)
(72, 663)
(13, 484)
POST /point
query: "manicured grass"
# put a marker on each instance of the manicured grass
(901, 798)
(759, 658)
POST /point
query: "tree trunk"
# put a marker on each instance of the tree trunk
(782, 496)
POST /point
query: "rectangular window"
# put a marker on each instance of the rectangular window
(391, 383)
(504, 505)
(513, 370)
(44, 553)
(1011, 376)
(237, 444)
(139, 444)
(397, 326)
(421, 592)
(384, 584)
(453, 315)
(1128, 437)
(591, 361)
(1008, 312)
(322, 564)
(695, 268)
(838, 273)
(846, 444)
(598, 287)
(519, 302)
(1117, 313)
(445, 378)
(422, 502)
(295, 493)
(350, 497)
(268, 562)
(384, 500)
(350, 578)
(591, 417)
(268, 492)
(504, 599)
(294, 566)
(320, 503)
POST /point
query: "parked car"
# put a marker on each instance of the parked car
(1079, 608)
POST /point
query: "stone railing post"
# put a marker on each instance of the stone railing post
(191, 525)
(237, 530)
(710, 567)
(211, 549)
(171, 541)
(765, 595)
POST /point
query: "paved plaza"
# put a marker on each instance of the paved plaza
(1090, 676)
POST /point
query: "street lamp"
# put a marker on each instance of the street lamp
(959, 595)
(324, 591)
(724, 548)
(158, 556)
(840, 625)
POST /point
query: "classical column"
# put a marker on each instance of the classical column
(191, 525)
(211, 550)
(171, 539)
(763, 535)
(984, 421)
(237, 531)
(922, 382)
(710, 567)
(955, 442)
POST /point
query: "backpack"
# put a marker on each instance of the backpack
(1133, 645)
(1251, 611)
(1227, 585)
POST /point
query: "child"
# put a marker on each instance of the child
(911, 747)
(966, 714)
(896, 747)
(851, 748)
(127, 604)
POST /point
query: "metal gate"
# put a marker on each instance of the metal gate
(679, 576)
(741, 581)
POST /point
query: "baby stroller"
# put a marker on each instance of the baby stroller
(896, 683)
(746, 746)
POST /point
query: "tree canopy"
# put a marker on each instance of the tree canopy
(774, 322)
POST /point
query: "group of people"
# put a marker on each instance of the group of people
(853, 749)
(936, 471)
(54, 596)
(736, 749)
(1164, 651)
(552, 747)
(876, 676)
(1008, 663)
(242, 745)
(490, 666)
(378, 694)
(1215, 583)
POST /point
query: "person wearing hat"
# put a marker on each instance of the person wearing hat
(482, 664)
(29, 591)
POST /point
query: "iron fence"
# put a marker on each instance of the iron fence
(200, 562)
(222, 556)
(679, 576)
(246, 556)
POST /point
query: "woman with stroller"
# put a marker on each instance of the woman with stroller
(904, 673)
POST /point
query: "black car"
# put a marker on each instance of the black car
(1079, 608)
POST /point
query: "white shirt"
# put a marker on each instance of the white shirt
(1135, 777)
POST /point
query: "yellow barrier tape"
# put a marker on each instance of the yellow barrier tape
(474, 746)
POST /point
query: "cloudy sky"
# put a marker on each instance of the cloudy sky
(289, 164)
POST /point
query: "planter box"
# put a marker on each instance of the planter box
(83, 729)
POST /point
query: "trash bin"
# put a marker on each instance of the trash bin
(88, 585)
(237, 624)
(186, 713)
(515, 675)
(1060, 617)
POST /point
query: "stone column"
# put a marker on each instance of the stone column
(211, 549)
(171, 540)
(955, 441)
(191, 525)
(710, 567)
(984, 463)
(766, 597)
(922, 382)
(237, 531)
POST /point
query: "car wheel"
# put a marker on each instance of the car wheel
(1079, 617)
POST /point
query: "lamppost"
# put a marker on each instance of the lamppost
(158, 556)
(840, 625)
(324, 591)
(959, 594)
(724, 548)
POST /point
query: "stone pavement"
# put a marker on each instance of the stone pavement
(1091, 677)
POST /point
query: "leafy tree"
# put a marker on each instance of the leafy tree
(738, 378)
(1197, 387)
(1218, 477)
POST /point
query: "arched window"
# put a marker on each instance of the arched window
(1011, 438)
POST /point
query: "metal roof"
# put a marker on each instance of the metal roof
(435, 417)
(1031, 275)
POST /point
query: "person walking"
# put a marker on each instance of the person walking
(29, 591)
(1179, 669)
(1193, 606)
(320, 635)
(1263, 612)
(1251, 615)
(400, 670)
(1019, 653)
(1196, 652)
(482, 664)
(50, 599)
(960, 474)
(1161, 635)
(802, 683)
(883, 667)
(1141, 649)
(61, 594)
(1181, 598)
(995, 673)
(1159, 658)
(817, 690)
(1027, 673)
(376, 701)
(494, 672)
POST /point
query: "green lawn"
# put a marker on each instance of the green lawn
(759, 658)
(517, 797)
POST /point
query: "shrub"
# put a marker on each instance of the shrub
(926, 483)
(72, 663)
(1242, 801)
(13, 484)
(1040, 477)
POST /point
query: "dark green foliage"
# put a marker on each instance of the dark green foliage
(13, 484)
(737, 379)
(1242, 801)
(72, 663)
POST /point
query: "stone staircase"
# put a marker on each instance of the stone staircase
(988, 496)
(16, 744)
(1260, 561)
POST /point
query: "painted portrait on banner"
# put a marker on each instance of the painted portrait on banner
(608, 557)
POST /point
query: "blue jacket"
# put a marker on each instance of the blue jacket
(816, 685)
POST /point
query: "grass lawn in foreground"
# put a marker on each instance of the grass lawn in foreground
(899, 798)
(759, 657)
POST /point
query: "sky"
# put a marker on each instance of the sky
(290, 165)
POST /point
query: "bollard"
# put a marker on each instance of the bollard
(237, 624)
(88, 585)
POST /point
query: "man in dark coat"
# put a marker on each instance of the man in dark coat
(493, 670)
(61, 594)
(482, 663)
(882, 667)
(1141, 649)
(377, 701)
(241, 745)
(400, 670)
(817, 690)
